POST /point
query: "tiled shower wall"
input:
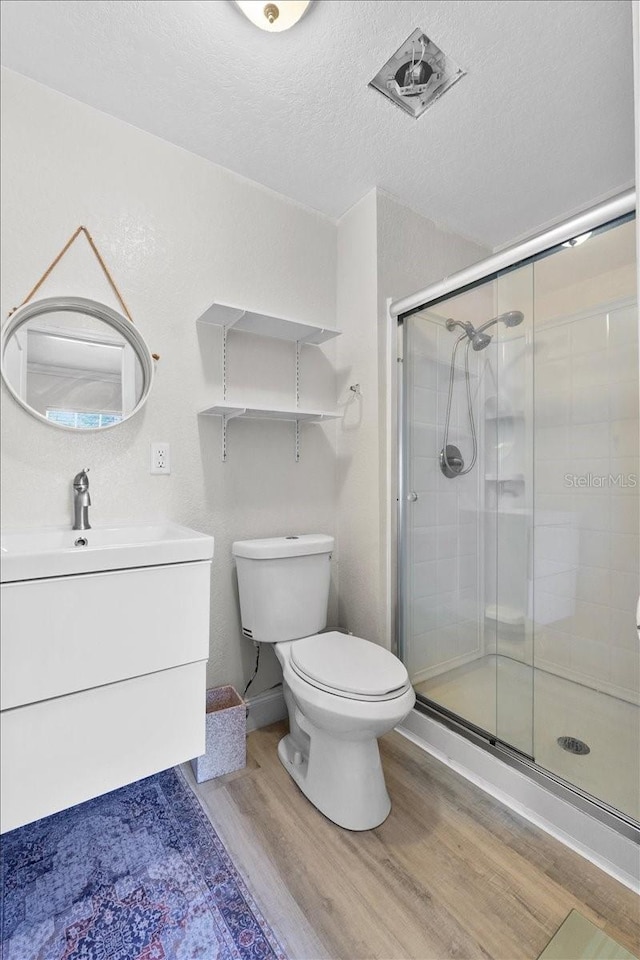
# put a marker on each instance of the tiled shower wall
(587, 483)
(443, 522)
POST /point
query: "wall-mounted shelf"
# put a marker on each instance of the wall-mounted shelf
(228, 317)
(504, 478)
(279, 328)
(231, 410)
(495, 408)
(508, 616)
(513, 415)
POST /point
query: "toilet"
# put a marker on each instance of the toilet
(341, 692)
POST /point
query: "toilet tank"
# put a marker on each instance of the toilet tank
(283, 584)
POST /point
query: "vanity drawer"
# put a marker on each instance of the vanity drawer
(64, 751)
(67, 634)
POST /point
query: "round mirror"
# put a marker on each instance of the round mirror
(75, 363)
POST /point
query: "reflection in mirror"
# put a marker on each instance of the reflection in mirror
(79, 374)
(73, 368)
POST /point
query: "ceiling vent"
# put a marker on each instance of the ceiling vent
(417, 74)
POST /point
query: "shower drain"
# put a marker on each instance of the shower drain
(573, 745)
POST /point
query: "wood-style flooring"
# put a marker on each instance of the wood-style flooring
(450, 873)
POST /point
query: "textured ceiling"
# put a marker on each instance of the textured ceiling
(541, 126)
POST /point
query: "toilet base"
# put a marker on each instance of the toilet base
(342, 778)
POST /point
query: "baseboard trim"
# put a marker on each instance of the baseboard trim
(610, 851)
(265, 708)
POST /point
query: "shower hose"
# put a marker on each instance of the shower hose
(474, 456)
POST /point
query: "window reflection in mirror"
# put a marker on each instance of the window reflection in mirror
(74, 370)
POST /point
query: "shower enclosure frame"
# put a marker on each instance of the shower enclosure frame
(616, 209)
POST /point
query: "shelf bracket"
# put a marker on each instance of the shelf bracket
(297, 446)
(228, 416)
(235, 320)
(225, 419)
(224, 364)
(223, 451)
(225, 330)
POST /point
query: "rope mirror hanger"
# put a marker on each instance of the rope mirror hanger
(103, 267)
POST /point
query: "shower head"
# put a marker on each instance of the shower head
(510, 319)
(451, 461)
(480, 340)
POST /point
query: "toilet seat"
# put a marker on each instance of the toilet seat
(348, 666)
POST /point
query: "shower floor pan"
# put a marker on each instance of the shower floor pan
(495, 693)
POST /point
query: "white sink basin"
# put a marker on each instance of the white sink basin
(52, 551)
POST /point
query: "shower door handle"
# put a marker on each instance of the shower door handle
(412, 496)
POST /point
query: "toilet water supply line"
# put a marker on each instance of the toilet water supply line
(255, 670)
(254, 675)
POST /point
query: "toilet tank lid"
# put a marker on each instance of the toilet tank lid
(276, 547)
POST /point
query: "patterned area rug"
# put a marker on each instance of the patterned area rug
(137, 874)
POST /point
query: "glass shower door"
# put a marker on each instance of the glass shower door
(509, 513)
(520, 545)
(465, 641)
(587, 549)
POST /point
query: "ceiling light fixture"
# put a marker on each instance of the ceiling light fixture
(273, 16)
(576, 241)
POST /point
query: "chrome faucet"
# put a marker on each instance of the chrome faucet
(81, 501)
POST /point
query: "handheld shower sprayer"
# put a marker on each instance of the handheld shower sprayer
(479, 339)
(451, 461)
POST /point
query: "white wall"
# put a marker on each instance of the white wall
(177, 232)
(385, 250)
(358, 440)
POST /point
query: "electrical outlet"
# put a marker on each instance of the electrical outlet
(160, 458)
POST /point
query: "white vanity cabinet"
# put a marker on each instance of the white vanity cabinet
(102, 669)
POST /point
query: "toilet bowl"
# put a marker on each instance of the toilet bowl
(331, 750)
(342, 692)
